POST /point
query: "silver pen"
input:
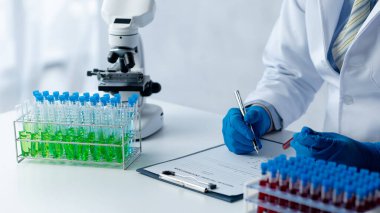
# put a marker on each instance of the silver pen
(243, 112)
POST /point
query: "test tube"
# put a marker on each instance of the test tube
(348, 197)
(315, 187)
(304, 190)
(283, 185)
(326, 190)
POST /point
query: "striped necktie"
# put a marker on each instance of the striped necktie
(359, 12)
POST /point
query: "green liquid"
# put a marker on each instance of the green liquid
(95, 150)
(44, 147)
(58, 150)
(69, 149)
(118, 151)
(34, 146)
(25, 146)
(54, 149)
(84, 149)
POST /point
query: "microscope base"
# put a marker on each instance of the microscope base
(152, 118)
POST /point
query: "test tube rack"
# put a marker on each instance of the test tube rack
(274, 191)
(84, 153)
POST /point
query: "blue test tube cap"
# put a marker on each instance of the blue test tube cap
(320, 162)
(104, 101)
(113, 101)
(45, 93)
(273, 172)
(349, 189)
(82, 100)
(364, 171)
(375, 175)
(118, 97)
(352, 169)
(327, 183)
(39, 98)
(50, 98)
(97, 96)
(107, 97)
(86, 95)
(304, 179)
(131, 101)
(264, 168)
(360, 193)
(36, 92)
(66, 94)
(73, 98)
(56, 95)
(284, 174)
(62, 98)
(93, 101)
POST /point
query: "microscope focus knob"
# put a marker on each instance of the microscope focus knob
(112, 57)
(156, 87)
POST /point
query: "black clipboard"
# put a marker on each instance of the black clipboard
(210, 193)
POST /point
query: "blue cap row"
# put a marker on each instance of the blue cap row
(323, 173)
(74, 97)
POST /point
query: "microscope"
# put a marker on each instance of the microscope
(126, 74)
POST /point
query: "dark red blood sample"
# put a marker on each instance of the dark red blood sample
(315, 197)
(293, 205)
(350, 203)
(262, 196)
(261, 209)
(326, 200)
(273, 185)
(304, 208)
(315, 210)
(283, 202)
(263, 182)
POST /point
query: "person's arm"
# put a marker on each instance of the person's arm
(338, 148)
(290, 79)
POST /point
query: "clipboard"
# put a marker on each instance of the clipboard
(196, 181)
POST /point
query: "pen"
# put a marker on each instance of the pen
(242, 110)
(170, 176)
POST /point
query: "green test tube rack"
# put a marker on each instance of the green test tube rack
(77, 144)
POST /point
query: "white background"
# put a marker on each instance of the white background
(200, 51)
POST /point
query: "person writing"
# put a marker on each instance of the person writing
(317, 41)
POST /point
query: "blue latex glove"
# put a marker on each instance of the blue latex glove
(237, 134)
(337, 148)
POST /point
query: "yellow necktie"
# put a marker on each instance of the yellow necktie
(359, 12)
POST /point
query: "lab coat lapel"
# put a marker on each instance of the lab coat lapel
(370, 17)
(321, 19)
(329, 13)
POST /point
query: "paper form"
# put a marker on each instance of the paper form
(218, 165)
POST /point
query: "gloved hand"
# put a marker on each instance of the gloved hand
(338, 148)
(237, 134)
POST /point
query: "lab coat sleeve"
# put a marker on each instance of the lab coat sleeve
(290, 79)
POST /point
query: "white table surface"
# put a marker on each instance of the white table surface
(42, 187)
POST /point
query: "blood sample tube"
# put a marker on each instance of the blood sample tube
(304, 190)
(326, 191)
(315, 187)
(273, 183)
(360, 198)
(348, 196)
(264, 174)
(283, 185)
(293, 188)
(377, 191)
(263, 183)
(337, 196)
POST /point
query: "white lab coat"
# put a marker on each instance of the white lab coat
(49, 45)
(296, 66)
